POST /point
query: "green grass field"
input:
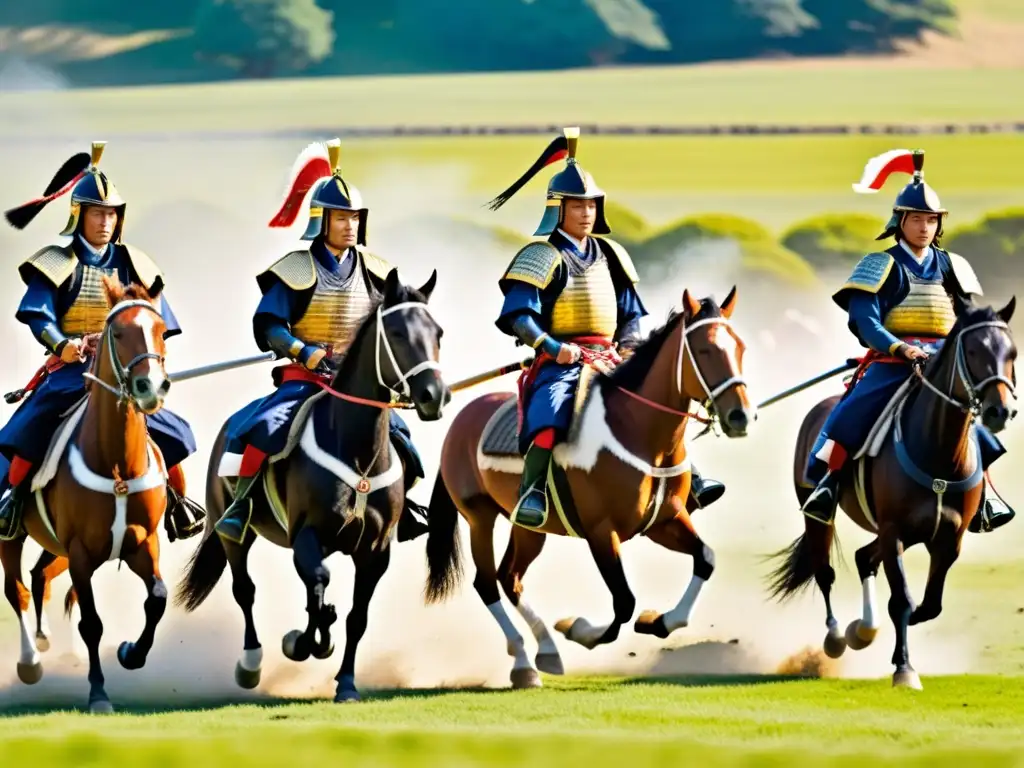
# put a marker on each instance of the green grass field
(597, 721)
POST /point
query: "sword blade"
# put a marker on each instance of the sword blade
(227, 365)
(849, 365)
(494, 373)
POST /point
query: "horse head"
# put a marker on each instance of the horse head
(712, 371)
(130, 357)
(408, 346)
(975, 369)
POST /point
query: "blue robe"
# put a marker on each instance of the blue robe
(28, 432)
(264, 423)
(549, 401)
(852, 418)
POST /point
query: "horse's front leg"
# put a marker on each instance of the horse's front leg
(678, 535)
(47, 568)
(308, 556)
(370, 568)
(944, 550)
(901, 605)
(145, 563)
(30, 669)
(82, 568)
(604, 546)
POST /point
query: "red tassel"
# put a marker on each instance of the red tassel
(879, 168)
(311, 166)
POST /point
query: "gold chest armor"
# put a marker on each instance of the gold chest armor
(587, 305)
(926, 311)
(336, 310)
(88, 313)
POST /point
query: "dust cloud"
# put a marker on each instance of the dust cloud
(201, 210)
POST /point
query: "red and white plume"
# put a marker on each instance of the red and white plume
(879, 168)
(312, 164)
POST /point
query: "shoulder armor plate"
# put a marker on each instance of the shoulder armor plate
(612, 248)
(375, 265)
(535, 264)
(870, 273)
(147, 270)
(54, 262)
(296, 270)
(964, 273)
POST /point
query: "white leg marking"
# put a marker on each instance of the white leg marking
(29, 653)
(869, 619)
(159, 589)
(545, 643)
(251, 660)
(679, 616)
(44, 624)
(516, 644)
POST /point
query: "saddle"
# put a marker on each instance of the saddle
(58, 444)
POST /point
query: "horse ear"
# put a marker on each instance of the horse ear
(428, 287)
(690, 305)
(391, 285)
(729, 303)
(1007, 312)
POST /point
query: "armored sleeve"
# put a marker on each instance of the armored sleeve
(872, 276)
(38, 310)
(273, 319)
(866, 318)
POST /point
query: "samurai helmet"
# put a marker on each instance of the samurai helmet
(316, 168)
(916, 196)
(571, 182)
(88, 185)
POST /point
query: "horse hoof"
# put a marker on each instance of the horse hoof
(651, 623)
(525, 678)
(127, 659)
(246, 678)
(550, 663)
(42, 643)
(858, 636)
(295, 646)
(834, 645)
(101, 707)
(907, 678)
(346, 692)
(324, 653)
(30, 674)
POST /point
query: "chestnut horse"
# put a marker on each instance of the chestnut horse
(923, 487)
(108, 492)
(341, 488)
(627, 473)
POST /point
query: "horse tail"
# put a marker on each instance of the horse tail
(444, 554)
(801, 560)
(69, 602)
(202, 573)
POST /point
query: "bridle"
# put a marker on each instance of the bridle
(122, 372)
(402, 378)
(962, 371)
(712, 394)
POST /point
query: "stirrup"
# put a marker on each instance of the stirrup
(531, 517)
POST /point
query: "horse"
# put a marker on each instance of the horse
(923, 486)
(624, 473)
(105, 489)
(346, 496)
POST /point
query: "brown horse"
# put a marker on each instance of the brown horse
(911, 492)
(107, 493)
(340, 490)
(624, 473)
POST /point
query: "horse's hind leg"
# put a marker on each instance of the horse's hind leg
(308, 557)
(678, 535)
(47, 568)
(249, 667)
(604, 546)
(523, 548)
(90, 626)
(370, 568)
(145, 563)
(900, 608)
(481, 516)
(944, 550)
(30, 669)
(862, 632)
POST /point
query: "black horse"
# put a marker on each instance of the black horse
(340, 490)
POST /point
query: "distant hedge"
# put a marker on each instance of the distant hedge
(994, 245)
(833, 240)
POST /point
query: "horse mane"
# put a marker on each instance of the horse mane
(969, 315)
(117, 292)
(631, 373)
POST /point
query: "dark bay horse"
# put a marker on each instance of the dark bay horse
(341, 488)
(108, 492)
(627, 473)
(924, 486)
